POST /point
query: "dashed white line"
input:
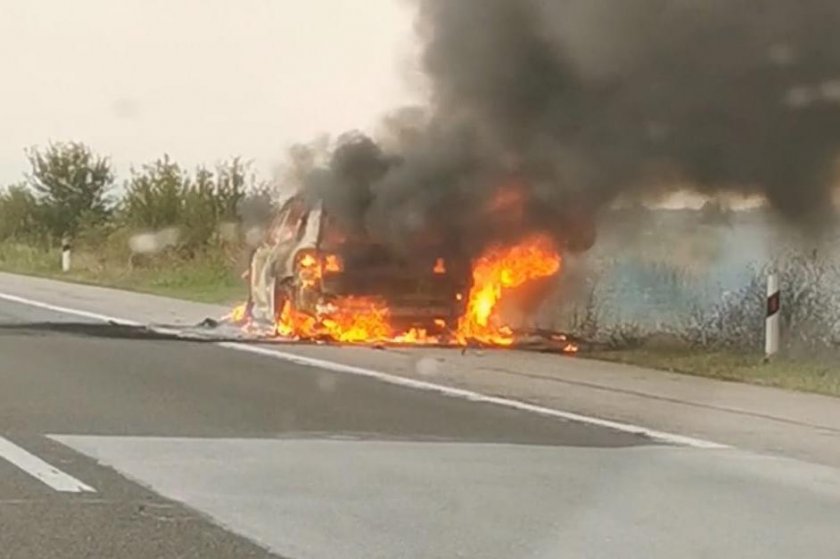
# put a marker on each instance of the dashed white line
(450, 391)
(41, 470)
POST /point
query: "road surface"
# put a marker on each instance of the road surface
(118, 442)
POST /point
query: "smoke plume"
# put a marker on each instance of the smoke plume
(542, 112)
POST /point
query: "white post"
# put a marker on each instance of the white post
(771, 335)
(65, 254)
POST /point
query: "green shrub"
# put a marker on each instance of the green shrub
(71, 184)
(21, 216)
(161, 195)
(153, 196)
(171, 231)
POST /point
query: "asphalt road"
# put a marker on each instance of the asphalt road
(119, 443)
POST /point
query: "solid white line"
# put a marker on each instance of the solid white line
(67, 310)
(450, 391)
(40, 470)
(476, 396)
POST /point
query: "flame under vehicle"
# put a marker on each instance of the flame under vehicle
(312, 271)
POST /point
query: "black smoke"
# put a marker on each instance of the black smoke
(566, 105)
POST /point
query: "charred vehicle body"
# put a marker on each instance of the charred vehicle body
(311, 262)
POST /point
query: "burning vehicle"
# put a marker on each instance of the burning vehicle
(342, 262)
(317, 277)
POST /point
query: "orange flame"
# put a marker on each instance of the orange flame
(239, 314)
(333, 264)
(502, 268)
(358, 319)
(368, 319)
(416, 336)
(307, 261)
(348, 320)
(293, 324)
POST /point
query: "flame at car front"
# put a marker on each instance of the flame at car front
(347, 320)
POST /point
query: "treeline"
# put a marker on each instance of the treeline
(72, 192)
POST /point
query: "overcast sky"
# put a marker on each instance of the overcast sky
(198, 79)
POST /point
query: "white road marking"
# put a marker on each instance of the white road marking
(66, 310)
(41, 470)
(475, 396)
(297, 497)
(662, 436)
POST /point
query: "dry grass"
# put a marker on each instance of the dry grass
(804, 374)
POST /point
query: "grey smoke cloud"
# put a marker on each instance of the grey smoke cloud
(572, 103)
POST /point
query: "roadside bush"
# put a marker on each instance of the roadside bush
(21, 216)
(71, 184)
(171, 231)
(161, 196)
(199, 219)
(153, 195)
(588, 320)
(736, 321)
(233, 182)
(810, 312)
(585, 315)
(211, 202)
(25, 258)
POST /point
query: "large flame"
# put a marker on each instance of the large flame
(499, 269)
(348, 320)
(358, 319)
(367, 319)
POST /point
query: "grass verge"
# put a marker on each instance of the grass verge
(802, 374)
(206, 279)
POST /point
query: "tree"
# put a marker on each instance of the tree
(72, 185)
(232, 182)
(20, 214)
(162, 195)
(154, 195)
(199, 215)
(212, 202)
